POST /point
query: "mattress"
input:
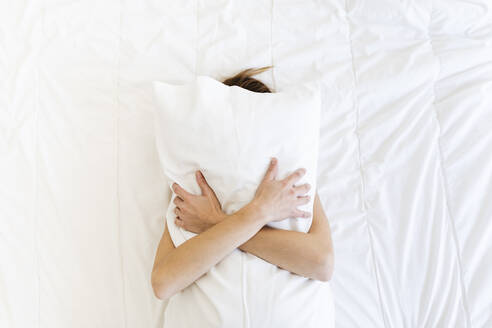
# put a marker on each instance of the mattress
(405, 166)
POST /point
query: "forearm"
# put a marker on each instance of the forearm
(293, 251)
(307, 254)
(188, 262)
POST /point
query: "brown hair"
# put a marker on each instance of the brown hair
(245, 80)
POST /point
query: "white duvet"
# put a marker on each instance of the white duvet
(404, 175)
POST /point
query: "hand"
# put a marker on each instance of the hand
(279, 199)
(197, 213)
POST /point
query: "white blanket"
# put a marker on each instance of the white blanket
(405, 155)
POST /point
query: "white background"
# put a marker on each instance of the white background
(405, 171)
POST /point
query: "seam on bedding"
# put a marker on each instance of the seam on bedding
(196, 38)
(444, 178)
(36, 194)
(271, 47)
(368, 228)
(246, 322)
(117, 159)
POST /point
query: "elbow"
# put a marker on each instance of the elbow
(325, 266)
(159, 291)
(159, 287)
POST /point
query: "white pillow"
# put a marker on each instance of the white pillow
(230, 134)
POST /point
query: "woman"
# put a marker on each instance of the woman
(307, 254)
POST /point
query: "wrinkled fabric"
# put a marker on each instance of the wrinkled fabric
(404, 170)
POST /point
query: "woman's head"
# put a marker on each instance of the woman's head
(245, 80)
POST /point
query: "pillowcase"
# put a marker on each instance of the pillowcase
(230, 134)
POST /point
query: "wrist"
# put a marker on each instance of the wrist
(219, 217)
(256, 211)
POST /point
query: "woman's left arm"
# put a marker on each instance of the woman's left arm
(307, 254)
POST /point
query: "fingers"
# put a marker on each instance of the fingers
(302, 214)
(302, 200)
(178, 221)
(178, 201)
(178, 190)
(180, 206)
(202, 183)
(295, 176)
(302, 189)
(204, 186)
(272, 170)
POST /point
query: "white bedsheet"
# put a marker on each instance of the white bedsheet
(405, 169)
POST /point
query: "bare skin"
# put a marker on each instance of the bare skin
(306, 254)
(309, 254)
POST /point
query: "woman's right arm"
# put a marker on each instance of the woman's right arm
(177, 268)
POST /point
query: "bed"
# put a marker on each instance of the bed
(405, 166)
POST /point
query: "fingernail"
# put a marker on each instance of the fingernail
(274, 160)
